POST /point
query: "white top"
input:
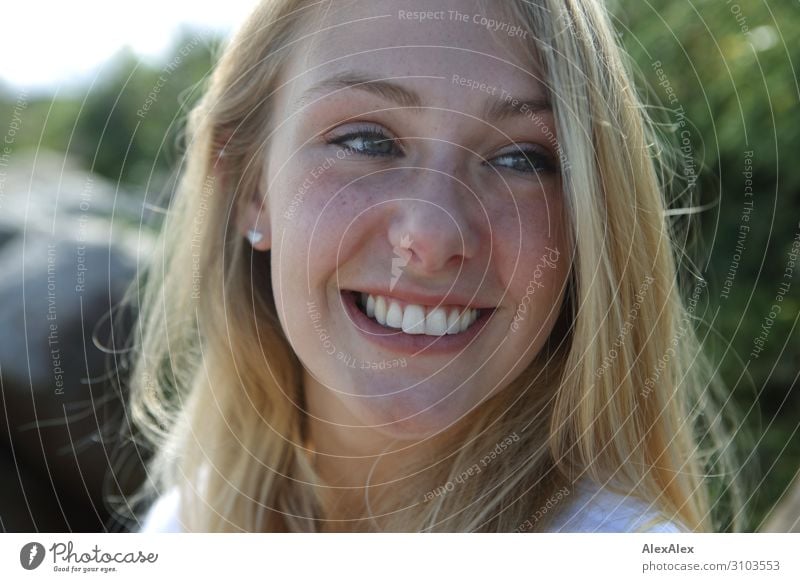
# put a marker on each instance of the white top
(163, 515)
(591, 510)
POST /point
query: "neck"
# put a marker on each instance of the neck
(359, 465)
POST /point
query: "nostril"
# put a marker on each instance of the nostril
(456, 262)
(433, 236)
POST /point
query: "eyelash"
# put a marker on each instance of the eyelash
(373, 135)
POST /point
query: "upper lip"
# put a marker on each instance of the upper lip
(423, 298)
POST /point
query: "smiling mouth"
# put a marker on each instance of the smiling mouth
(414, 319)
(406, 331)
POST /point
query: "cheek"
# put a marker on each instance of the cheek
(533, 257)
(326, 217)
(327, 210)
(312, 216)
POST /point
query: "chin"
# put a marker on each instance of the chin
(403, 417)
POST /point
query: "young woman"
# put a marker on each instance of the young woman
(418, 276)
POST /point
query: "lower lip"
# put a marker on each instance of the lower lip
(404, 343)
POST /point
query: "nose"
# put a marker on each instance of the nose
(432, 228)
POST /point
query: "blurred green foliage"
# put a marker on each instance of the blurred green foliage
(729, 66)
(127, 124)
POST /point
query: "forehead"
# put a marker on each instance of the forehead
(444, 47)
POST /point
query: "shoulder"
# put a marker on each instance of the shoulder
(595, 509)
(162, 517)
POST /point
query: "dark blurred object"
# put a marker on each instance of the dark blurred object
(69, 241)
(61, 412)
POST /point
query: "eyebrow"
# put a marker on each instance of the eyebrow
(496, 109)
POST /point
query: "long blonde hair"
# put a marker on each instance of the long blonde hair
(620, 395)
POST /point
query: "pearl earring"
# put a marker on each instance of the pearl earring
(254, 237)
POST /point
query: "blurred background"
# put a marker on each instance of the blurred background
(92, 106)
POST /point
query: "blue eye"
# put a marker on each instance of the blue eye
(373, 142)
(367, 141)
(527, 161)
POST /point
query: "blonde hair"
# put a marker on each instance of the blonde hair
(620, 394)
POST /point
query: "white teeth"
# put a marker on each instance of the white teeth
(370, 306)
(413, 319)
(380, 310)
(394, 317)
(436, 321)
(417, 319)
(465, 320)
(453, 321)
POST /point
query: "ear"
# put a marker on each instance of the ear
(254, 223)
(252, 216)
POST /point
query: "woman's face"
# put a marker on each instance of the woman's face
(415, 165)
